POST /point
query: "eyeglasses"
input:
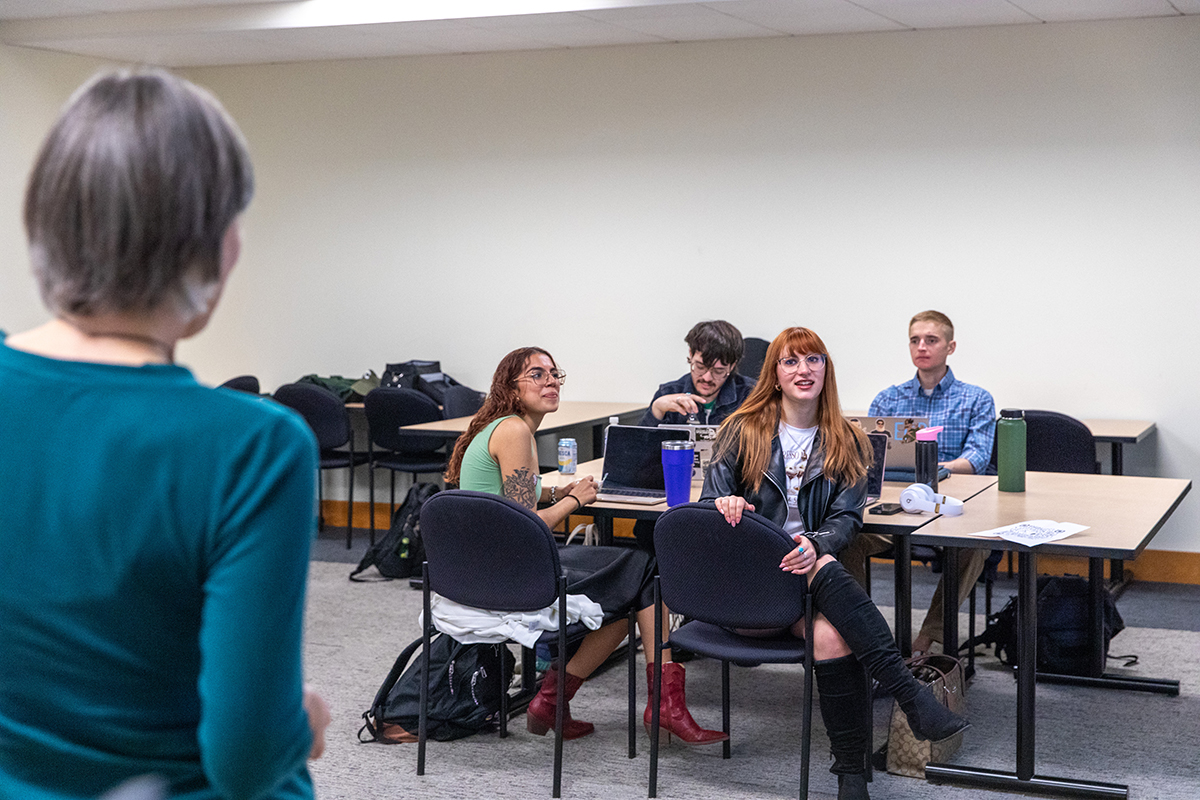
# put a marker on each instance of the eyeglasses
(815, 362)
(699, 369)
(542, 377)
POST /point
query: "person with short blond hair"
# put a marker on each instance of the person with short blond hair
(967, 415)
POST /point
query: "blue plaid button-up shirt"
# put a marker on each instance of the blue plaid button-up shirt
(966, 412)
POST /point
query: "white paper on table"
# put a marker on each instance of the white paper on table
(1034, 531)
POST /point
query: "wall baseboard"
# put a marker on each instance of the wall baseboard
(1159, 566)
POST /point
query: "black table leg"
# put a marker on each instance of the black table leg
(1099, 679)
(1116, 567)
(1024, 780)
(902, 547)
(950, 600)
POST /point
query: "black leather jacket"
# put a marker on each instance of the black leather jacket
(832, 512)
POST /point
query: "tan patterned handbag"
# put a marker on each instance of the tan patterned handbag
(905, 754)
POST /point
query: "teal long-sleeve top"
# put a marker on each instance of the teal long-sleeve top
(154, 544)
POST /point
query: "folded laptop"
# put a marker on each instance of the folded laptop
(902, 437)
(633, 464)
(703, 436)
(879, 444)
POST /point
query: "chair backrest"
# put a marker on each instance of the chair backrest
(461, 401)
(388, 409)
(753, 356)
(243, 383)
(486, 551)
(726, 575)
(1055, 442)
(323, 410)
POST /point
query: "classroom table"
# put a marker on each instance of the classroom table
(570, 414)
(1117, 433)
(1124, 513)
(899, 525)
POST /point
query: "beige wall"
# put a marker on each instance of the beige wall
(1040, 184)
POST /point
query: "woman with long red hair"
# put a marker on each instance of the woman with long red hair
(497, 455)
(789, 454)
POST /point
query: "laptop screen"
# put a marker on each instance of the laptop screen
(879, 446)
(633, 456)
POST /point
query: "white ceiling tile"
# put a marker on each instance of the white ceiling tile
(1068, 10)
(685, 22)
(815, 16)
(198, 32)
(948, 13)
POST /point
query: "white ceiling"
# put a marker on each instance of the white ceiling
(181, 33)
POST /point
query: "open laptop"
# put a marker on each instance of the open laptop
(879, 447)
(632, 471)
(901, 433)
(703, 436)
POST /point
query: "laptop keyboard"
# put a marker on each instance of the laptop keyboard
(633, 492)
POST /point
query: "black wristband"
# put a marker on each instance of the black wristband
(578, 502)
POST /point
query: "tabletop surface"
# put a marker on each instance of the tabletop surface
(1123, 431)
(569, 414)
(1122, 512)
(961, 486)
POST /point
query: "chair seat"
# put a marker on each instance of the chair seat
(720, 643)
(400, 462)
(336, 459)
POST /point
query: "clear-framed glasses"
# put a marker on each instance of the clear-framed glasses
(791, 364)
(542, 377)
(698, 369)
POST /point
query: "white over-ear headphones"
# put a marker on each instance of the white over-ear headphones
(919, 497)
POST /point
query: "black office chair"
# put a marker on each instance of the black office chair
(243, 383)
(487, 552)
(461, 401)
(1055, 442)
(387, 410)
(753, 357)
(326, 414)
(720, 579)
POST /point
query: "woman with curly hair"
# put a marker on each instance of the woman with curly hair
(497, 454)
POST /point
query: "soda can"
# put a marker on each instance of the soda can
(568, 456)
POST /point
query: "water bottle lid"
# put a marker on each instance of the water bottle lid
(679, 444)
(614, 420)
(1012, 413)
(928, 434)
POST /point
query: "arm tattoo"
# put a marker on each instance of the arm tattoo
(519, 487)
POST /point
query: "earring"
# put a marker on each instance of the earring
(778, 387)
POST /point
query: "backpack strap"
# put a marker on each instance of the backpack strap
(371, 715)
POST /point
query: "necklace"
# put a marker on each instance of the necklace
(161, 348)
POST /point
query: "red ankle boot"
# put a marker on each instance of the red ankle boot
(673, 715)
(539, 717)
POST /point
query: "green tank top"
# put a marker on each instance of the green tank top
(480, 472)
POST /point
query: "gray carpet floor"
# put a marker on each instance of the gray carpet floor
(355, 630)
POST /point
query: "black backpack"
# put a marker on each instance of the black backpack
(1064, 644)
(464, 690)
(400, 552)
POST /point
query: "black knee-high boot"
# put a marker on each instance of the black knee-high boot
(844, 708)
(852, 613)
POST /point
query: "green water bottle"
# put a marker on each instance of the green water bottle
(1010, 450)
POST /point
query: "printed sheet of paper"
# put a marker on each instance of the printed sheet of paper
(1034, 531)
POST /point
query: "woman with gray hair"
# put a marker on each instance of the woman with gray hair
(154, 533)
